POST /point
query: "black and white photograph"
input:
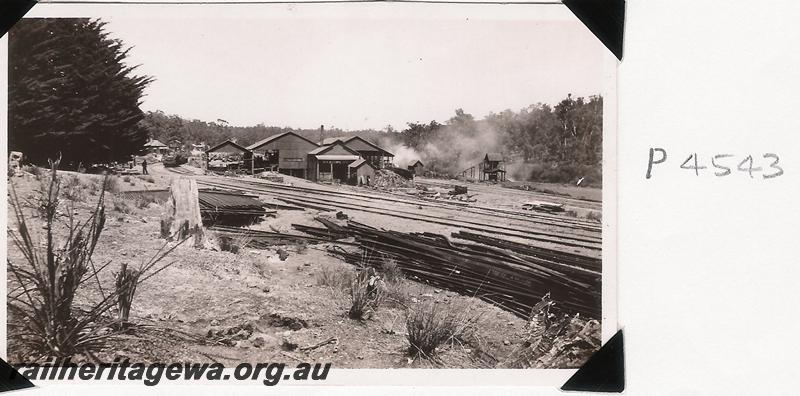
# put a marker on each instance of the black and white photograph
(363, 186)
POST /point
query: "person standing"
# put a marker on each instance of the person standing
(144, 167)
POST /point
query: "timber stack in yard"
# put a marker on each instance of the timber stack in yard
(512, 276)
(231, 207)
(487, 257)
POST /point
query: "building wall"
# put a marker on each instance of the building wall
(292, 151)
(311, 171)
(365, 170)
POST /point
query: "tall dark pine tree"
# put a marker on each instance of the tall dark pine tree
(71, 94)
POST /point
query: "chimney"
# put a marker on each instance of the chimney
(321, 133)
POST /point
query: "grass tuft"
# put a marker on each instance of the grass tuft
(334, 277)
(366, 294)
(122, 205)
(430, 325)
(390, 270)
(111, 184)
(235, 244)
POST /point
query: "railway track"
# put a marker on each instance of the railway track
(522, 194)
(534, 218)
(300, 196)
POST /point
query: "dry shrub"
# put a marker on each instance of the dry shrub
(395, 294)
(123, 206)
(126, 179)
(111, 184)
(430, 325)
(335, 277)
(93, 187)
(235, 244)
(595, 216)
(390, 270)
(555, 339)
(365, 294)
(301, 246)
(34, 170)
(144, 200)
(42, 286)
(73, 188)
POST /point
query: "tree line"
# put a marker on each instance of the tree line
(560, 143)
(168, 128)
(71, 94)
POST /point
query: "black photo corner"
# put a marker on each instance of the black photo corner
(11, 379)
(604, 18)
(605, 370)
(12, 11)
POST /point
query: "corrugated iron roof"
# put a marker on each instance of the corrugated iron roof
(318, 150)
(227, 142)
(329, 141)
(323, 149)
(357, 163)
(274, 137)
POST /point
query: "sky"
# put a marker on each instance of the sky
(356, 73)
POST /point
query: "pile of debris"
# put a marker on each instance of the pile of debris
(387, 180)
(274, 177)
(543, 206)
(512, 276)
(458, 193)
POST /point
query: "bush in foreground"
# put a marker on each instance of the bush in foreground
(334, 277)
(430, 325)
(365, 294)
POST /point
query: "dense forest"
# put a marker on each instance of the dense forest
(168, 128)
(561, 143)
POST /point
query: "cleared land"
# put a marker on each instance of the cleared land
(280, 302)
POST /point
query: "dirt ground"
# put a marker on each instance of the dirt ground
(215, 306)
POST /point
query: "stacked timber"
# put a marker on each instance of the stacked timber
(258, 239)
(230, 207)
(508, 276)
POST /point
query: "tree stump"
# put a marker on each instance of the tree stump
(182, 218)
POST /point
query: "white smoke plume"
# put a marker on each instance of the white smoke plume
(404, 156)
(456, 149)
